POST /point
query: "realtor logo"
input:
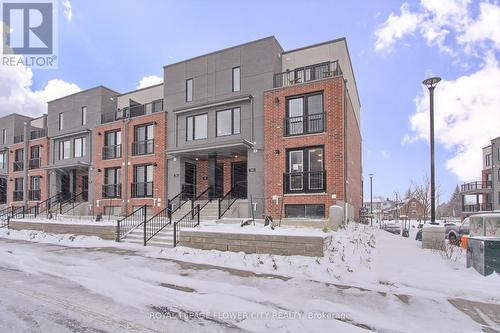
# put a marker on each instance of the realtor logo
(28, 33)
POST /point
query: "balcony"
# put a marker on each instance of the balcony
(307, 74)
(480, 207)
(133, 111)
(18, 165)
(18, 138)
(36, 134)
(142, 190)
(313, 123)
(476, 187)
(110, 152)
(17, 196)
(34, 195)
(34, 163)
(305, 182)
(143, 147)
(110, 191)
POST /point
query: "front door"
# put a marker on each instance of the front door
(239, 179)
(65, 186)
(189, 180)
(85, 188)
(219, 180)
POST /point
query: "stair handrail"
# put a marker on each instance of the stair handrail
(229, 198)
(130, 222)
(174, 198)
(47, 203)
(18, 212)
(192, 219)
(71, 201)
(205, 201)
(156, 224)
(5, 216)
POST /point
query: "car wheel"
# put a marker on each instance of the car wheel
(453, 239)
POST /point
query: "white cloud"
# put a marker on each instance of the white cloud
(148, 81)
(67, 10)
(467, 114)
(485, 28)
(16, 94)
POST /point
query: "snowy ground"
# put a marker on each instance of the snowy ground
(369, 280)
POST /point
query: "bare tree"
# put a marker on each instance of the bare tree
(423, 195)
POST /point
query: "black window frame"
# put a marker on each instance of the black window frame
(305, 113)
(2, 163)
(84, 115)
(194, 126)
(146, 146)
(4, 136)
(60, 119)
(83, 149)
(187, 90)
(115, 150)
(16, 153)
(142, 181)
(232, 122)
(323, 208)
(62, 156)
(305, 170)
(233, 80)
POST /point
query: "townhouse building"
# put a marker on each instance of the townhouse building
(484, 195)
(253, 129)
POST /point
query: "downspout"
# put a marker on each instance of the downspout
(345, 152)
(26, 166)
(252, 136)
(124, 148)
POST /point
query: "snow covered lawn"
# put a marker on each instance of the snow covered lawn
(369, 279)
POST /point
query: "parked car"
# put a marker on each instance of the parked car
(453, 231)
(393, 228)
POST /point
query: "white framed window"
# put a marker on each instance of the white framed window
(197, 127)
(79, 145)
(2, 160)
(228, 122)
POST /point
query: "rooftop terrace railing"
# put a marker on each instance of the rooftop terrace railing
(307, 74)
(133, 111)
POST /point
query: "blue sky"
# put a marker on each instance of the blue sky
(116, 43)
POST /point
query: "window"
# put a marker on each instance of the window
(112, 144)
(499, 175)
(84, 115)
(305, 170)
(315, 211)
(61, 121)
(34, 192)
(79, 145)
(2, 160)
(4, 136)
(236, 79)
(488, 159)
(112, 210)
(197, 127)
(64, 149)
(143, 181)
(228, 122)
(19, 160)
(189, 90)
(34, 161)
(18, 189)
(112, 183)
(143, 139)
(498, 154)
(413, 204)
(304, 115)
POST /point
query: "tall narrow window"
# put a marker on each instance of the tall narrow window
(197, 127)
(143, 181)
(79, 147)
(84, 115)
(236, 79)
(143, 139)
(305, 168)
(64, 149)
(61, 121)
(228, 122)
(112, 183)
(19, 160)
(112, 144)
(4, 136)
(305, 115)
(189, 90)
(2, 160)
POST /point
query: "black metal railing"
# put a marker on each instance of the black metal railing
(190, 220)
(133, 111)
(307, 74)
(18, 138)
(127, 224)
(36, 134)
(312, 123)
(229, 199)
(143, 147)
(156, 224)
(203, 198)
(34, 163)
(18, 165)
(142, 190)
(304, 182)
(71, 203)
(475, 186)
(177, 202)
(17, 195)
(46, 205)
(5, 215)
(34, 195)
(110, 152)
(18, 212)
(110, 191)
(481, 207)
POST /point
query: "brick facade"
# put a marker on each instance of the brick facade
(332, 140)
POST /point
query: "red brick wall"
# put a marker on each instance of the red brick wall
(332, 140)
(354, 162)
(158, 158)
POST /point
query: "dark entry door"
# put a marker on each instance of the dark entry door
(85, 188)
(65, 186)
(239, 179)
(189, 180)
(219, 180)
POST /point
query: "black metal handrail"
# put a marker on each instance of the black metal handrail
(69, 204)
(156, 224)
(34, 163)
(142, 190)
(18, 195)
(143, 147)
(190, 220)
(110, 191)
(127, 224)
(36, 134)
(5, 216)
(18, 138)
(228, 200)
(309, 124)
(18, 212)
(307, 74)
(133, 111)
(18, 165)
(304, 182)
(203, 198)
(34, 195)
(177, 202)
(481, 207)
(110, 152)
(47, 204)
(475, 186)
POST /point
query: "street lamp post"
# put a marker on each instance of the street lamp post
(371, 199)
(431, 83)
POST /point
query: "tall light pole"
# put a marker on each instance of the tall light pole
(431, 83)
(371, 198)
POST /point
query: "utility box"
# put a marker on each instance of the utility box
(336, 217)
(487, 225)
(433, 237)
(483, 253)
